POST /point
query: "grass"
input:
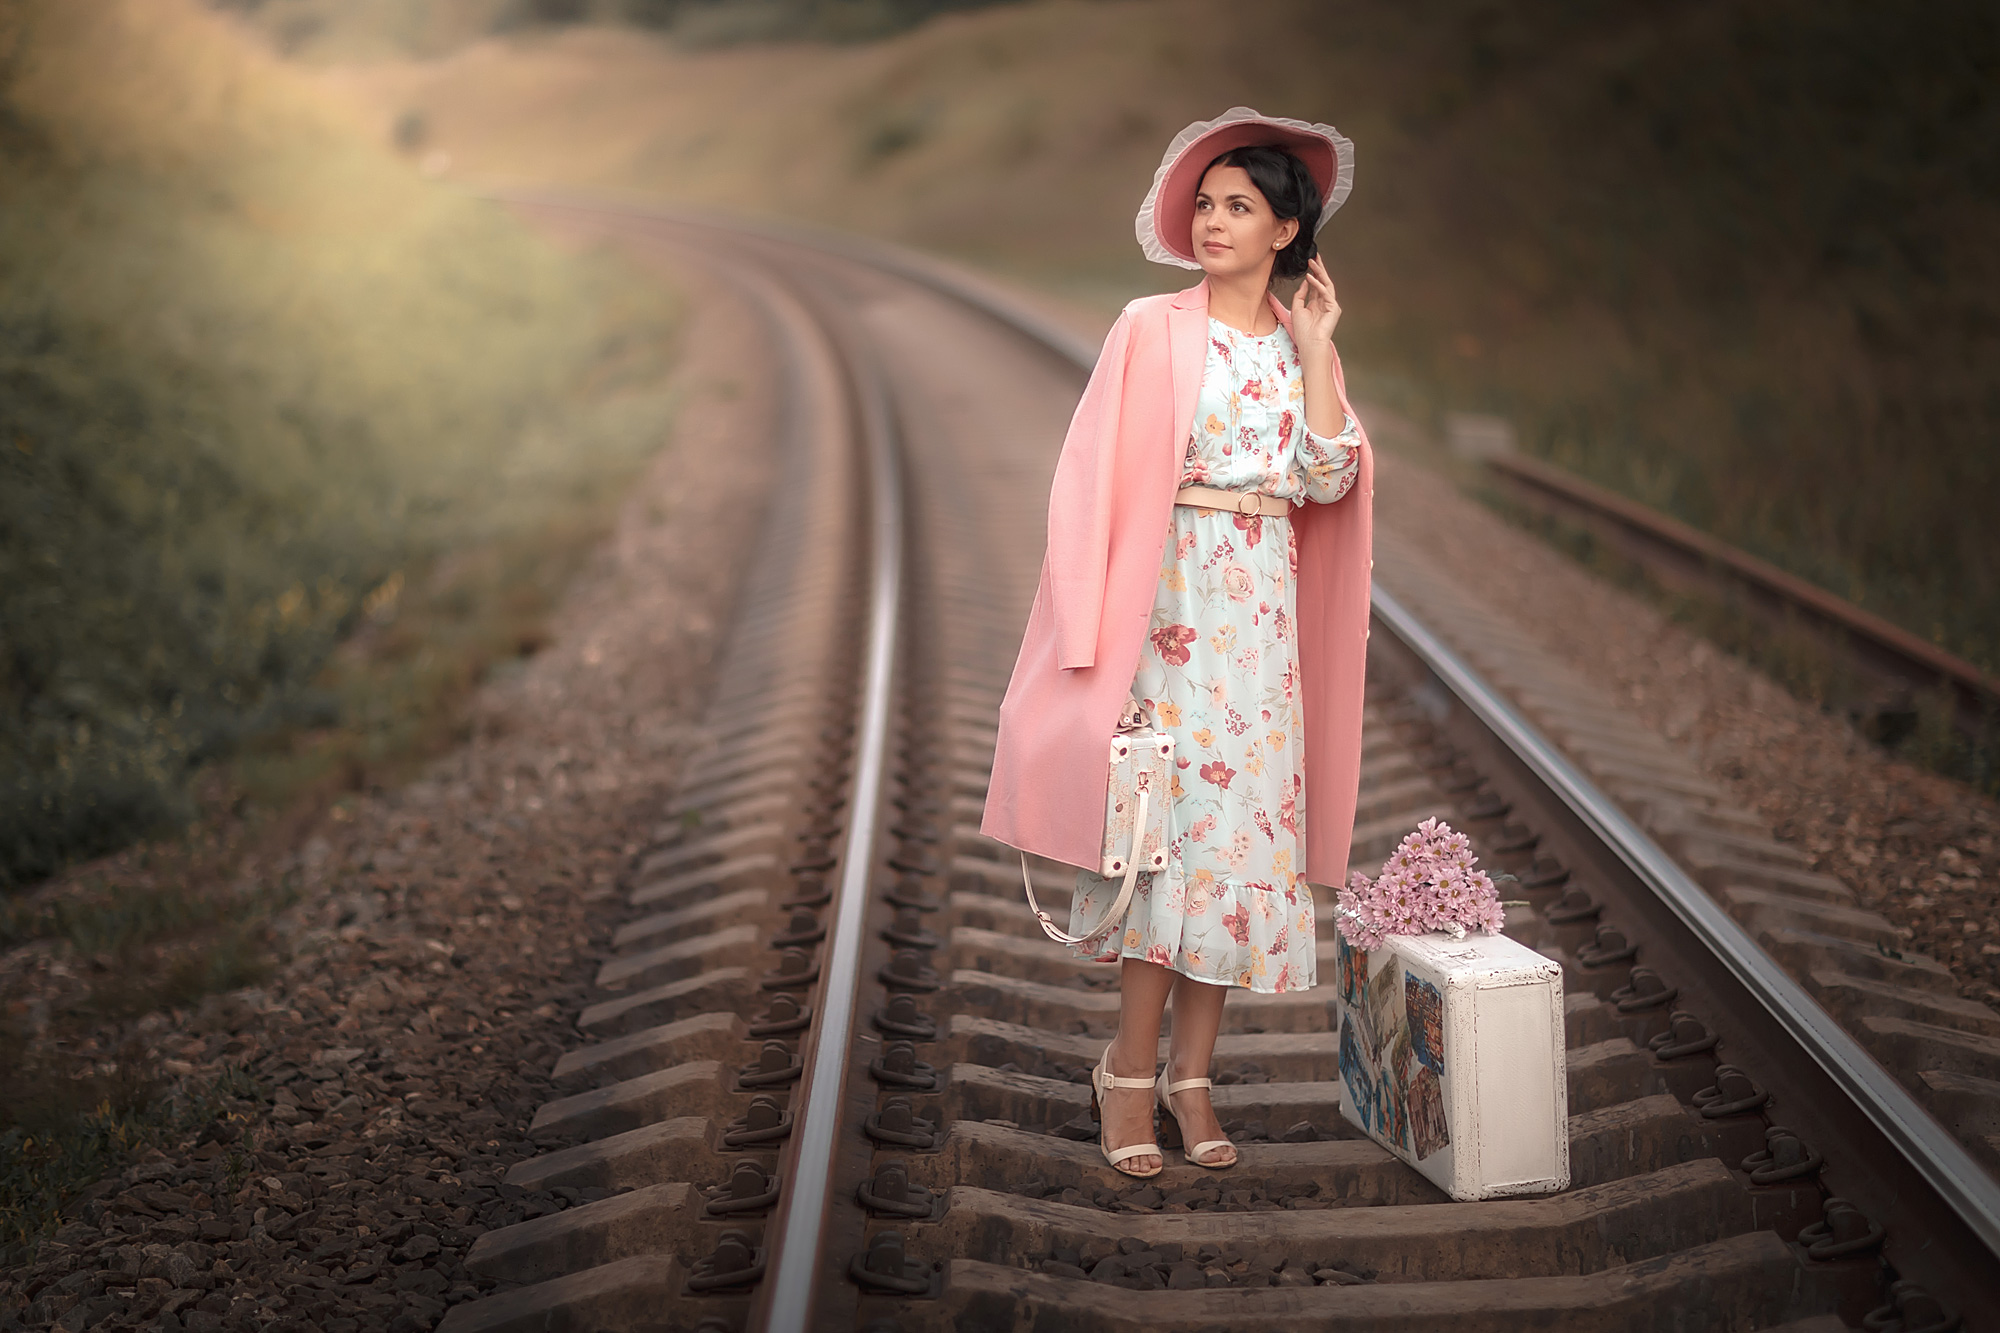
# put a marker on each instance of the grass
(49, 1152)
(397, 681)
(115, 918)
(75, 1105)
(263, 388)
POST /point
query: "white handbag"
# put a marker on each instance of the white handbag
(1138, 819)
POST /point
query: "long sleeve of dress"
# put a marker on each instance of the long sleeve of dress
(1326, 468)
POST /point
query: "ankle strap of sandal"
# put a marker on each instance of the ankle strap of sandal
(1186, 1083)
(1112, 1080)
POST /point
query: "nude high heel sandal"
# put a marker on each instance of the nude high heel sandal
(1195, 1153)
(1102, 1081)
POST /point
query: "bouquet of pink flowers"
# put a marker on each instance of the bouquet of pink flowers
(1431, 882)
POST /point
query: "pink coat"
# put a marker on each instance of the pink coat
(1109, 513)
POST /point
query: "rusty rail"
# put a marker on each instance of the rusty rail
(1685, 557)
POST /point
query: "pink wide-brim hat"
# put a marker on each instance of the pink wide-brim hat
(1165, 224)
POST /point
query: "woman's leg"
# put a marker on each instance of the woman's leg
(1197, 1018)
(1135, 1052)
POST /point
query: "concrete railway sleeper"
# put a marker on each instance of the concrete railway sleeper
(825, 846)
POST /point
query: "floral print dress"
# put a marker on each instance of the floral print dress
(1219, 671)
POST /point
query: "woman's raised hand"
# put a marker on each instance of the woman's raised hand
(1315, 311)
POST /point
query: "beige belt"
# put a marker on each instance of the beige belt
(1236, 502)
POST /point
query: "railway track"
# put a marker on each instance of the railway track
(1890, 666)
(835, 1078)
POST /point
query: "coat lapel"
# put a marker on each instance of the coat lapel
(1187, 342)
(1283, 311)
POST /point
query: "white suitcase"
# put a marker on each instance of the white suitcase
(1452, 1058)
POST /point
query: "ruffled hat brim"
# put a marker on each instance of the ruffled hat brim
(1165, 225)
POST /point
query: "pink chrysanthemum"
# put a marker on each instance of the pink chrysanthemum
(1430, 882)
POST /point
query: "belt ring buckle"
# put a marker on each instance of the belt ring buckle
(1251, 503)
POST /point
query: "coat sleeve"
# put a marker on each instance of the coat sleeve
(1080, 504)
(1334, 545)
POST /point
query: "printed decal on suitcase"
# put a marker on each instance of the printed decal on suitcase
(1392, 1050)
(1352, 970)
(1356, 1075)
(1427, 1121)
(1385, 1008)
(1426, 1010)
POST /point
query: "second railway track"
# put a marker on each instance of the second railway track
(836, 1079)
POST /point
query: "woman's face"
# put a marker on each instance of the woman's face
(1235, 231)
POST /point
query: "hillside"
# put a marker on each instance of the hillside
(256, 378)
(1730, 258)
(332, 30)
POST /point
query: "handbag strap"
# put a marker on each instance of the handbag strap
(1116, 915)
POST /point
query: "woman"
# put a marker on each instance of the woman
(1238, 621)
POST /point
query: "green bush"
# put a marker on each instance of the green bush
(252, 373)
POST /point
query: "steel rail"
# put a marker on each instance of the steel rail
(1944, 1164)
(794, 1264)
(1960, 1181)
(1662, 543)
(1941, 1160)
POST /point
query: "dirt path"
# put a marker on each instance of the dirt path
(434, 965)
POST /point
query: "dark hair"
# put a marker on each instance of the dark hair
(1288, 188)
